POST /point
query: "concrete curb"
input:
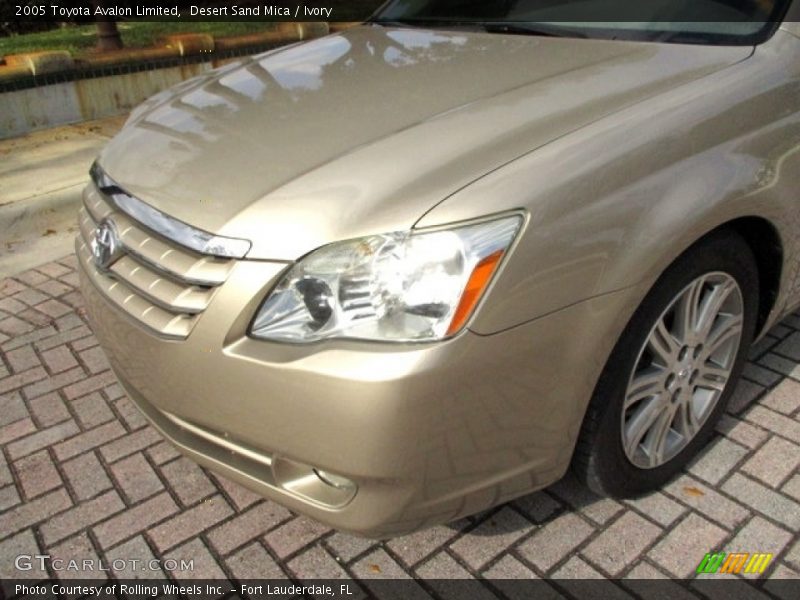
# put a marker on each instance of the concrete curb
(39, 229)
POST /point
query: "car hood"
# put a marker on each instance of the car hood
(364, 131)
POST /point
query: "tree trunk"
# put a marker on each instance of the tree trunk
(108, 37)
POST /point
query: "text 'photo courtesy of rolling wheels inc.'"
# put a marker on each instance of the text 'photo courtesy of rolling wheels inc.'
(399, 299)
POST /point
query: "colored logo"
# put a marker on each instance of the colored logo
(734, 562)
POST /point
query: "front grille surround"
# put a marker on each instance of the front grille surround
(159, 283)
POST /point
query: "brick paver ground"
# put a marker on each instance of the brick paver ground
(82, 475)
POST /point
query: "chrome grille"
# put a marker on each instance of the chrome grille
(162, 285)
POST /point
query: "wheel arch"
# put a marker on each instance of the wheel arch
(767, 247)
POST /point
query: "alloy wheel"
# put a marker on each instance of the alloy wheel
(682, 369)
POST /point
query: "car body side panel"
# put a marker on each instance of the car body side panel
(613, 204)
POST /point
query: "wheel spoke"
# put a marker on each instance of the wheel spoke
(641, 423)
(663, 344)
(647, 383)
(712, 306)
(712, 376)
(730, 328)
(657, 437)
(687, 311)
(685, 420)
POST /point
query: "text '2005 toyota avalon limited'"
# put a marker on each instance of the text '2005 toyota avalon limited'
(400, 274)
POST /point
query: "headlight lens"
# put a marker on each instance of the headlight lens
(412, 286)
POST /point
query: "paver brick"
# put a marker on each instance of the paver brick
(784, 398)
(41, 439)
(95, 360)
(742, 432)
(133, 442)
(491, 537)
(53, 288)
(775, 422)
(136, 478)
(92, 410)
(204, 564)
(622, 543)
(59, 359)
(648, 582)
(37, 474)
(345, 547)
(792, 487)
(188, 480)
(12, 408)
(240, 496)
(189, 523)
(14, 326)
(555, 541)
(760, 375)
(162, 453)
(708, 501)
(33, 336)
(764, 500)
(23, 543)
(442, 566)
(759, 535)
(658, 507)
(22, 379)
(49, 409)
(744, 395)
(538, 507)
(790, 347)
(247, 526)
(378, 564)
(253, 562)
(716, 462)
(16, 430)
(774, 462)
(132, 417)
(294, 535)
(598, 509)
(684, 547)
(8, 497)
(53, 308)
(77, 548)
(86, 386)
(88, 440)
(33, 511)
(22, 359)
(81, 516)
(135, 553)
(86, 475)
(316, 563)
(135, 520)
(413, 547)
(53, 382)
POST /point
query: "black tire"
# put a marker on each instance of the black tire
(600, 460)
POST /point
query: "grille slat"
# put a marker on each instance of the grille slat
(164, 286)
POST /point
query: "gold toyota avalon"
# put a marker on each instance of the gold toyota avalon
(404, 273)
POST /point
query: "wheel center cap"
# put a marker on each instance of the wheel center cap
(684, 373)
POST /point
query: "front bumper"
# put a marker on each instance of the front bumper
(427, 432)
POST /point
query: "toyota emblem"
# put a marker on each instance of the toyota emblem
(106, 247)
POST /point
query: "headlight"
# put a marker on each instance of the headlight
(411, 286)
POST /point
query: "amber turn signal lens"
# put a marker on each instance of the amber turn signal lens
(481, 275)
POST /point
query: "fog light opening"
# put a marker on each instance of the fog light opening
(336, 481)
